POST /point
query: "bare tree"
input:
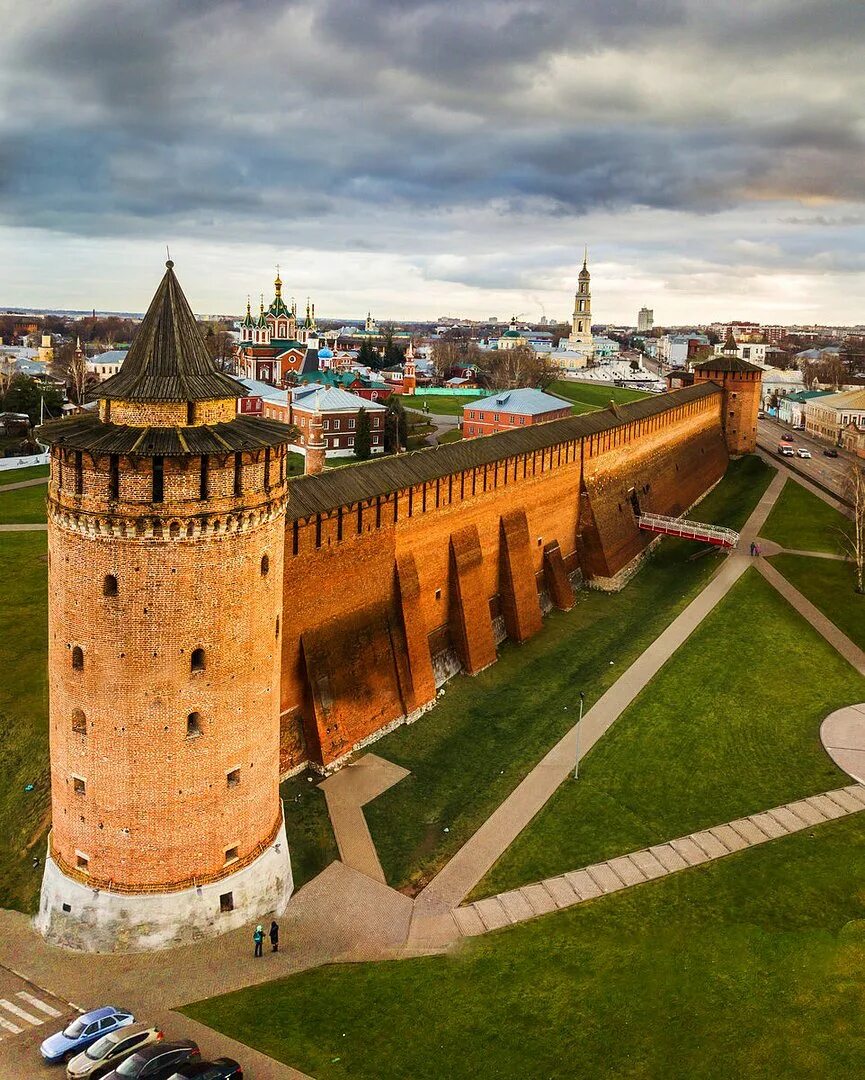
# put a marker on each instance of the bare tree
(7, 373)
(506, 369)
(853, 532)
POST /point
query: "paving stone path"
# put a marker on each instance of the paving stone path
(843, 735)
(638, 867)
(23, 484)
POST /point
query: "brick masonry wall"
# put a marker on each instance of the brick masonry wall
(157, 808)
(342, 565)
(167, 413)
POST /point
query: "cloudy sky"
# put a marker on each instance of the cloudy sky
(424, 158)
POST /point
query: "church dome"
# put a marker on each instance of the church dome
(325, 353)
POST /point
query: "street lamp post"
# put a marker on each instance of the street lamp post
(577, 739)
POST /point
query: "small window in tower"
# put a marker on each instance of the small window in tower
(79, 722)
(196, 662)
(193, 725)
(79, 785)
(109, 585)
(231, 855)
(276, 631)
(82, 861)
(77, 658)
(226, 902)
(265, 565)
(158, 479)
(113, 476)
(232, 778)
(190, 412)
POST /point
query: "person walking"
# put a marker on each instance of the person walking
(258, 938)
(274, 935)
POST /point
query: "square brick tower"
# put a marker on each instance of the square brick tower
(742, 384)
(165, 539)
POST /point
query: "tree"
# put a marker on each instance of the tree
(853, 531)
(25, 395)
(362, 440)
(393, 354)
(395, 426)
(451, 352)
(368, 356)
(506, 369)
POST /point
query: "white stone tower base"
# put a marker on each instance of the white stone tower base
(96, 920)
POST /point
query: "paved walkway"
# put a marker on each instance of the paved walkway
(843, 735)
(839, 641)
(347, 792)
(24, 484)
(469, 865)
(36, 527)
(658, 861)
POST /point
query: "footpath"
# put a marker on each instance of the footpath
(349, 914)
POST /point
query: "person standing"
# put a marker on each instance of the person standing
(274, 935)
(258, 938)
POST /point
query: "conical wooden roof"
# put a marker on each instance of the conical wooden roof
(168, 360)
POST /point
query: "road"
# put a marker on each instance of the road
(831, 472)
(27, 1016)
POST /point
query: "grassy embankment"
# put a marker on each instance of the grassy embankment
(487, 732)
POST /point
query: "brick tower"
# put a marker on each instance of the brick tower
(165, 538)
(742, 384)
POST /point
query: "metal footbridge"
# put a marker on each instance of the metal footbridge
(688, 530)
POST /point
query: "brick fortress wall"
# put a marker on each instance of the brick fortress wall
(375, 591)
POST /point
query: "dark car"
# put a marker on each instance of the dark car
(156, 1062)
(830, 452)
(786, 438)
(223, 1068)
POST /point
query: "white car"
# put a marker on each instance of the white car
(109, 1051)
(803, 452)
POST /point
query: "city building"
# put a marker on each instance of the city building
(339, 411)
(645, 320)
(791, 408)
(105, 365)
(826, 417)
(754, 352)
(510, 409)
(512, 337)
(274, 347)
(166, 525)
(677, 349)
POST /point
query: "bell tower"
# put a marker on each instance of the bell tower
(581, 320)
(165, 538)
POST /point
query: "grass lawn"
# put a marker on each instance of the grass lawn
(803, 522)
(698, 748)
(487, 732)
(750, 967)
(294, 464)
(594, 395)
(23, 716)
(454, 435)
(15, 476)
(829, 585)
(23, 506)
(443, 404)
(310, 836)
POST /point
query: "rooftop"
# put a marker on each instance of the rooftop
(525, 401)
(318, 494)
(320, 398)
(168, 360)
(846, 399)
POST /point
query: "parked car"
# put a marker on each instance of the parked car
(803, 451)
(830, 452)
(107, 1053)
(787, 437)
(785, 450)
(156, 1062)
(223, 1068)
(83, 1031)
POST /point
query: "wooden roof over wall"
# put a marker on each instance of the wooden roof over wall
(323, 492)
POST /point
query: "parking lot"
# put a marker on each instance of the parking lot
(28, 1015)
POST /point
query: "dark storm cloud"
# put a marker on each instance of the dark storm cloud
(375, 121)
